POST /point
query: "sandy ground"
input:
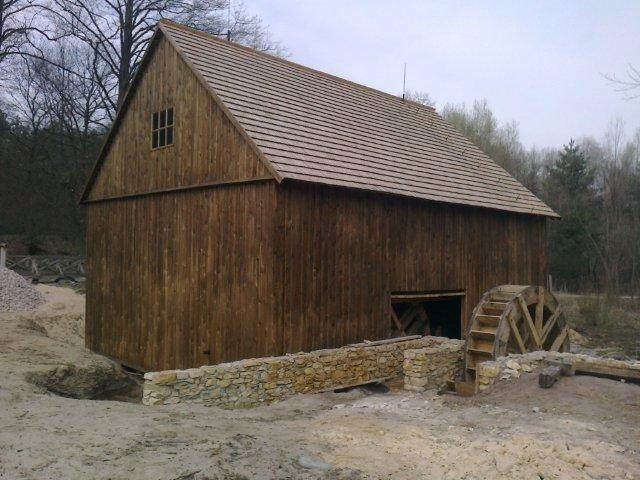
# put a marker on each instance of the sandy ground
(583, 427)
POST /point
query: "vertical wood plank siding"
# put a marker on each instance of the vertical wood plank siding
(264, 269)
(175, 275)
(345, 251)
(207, 146)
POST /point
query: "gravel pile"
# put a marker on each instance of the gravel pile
(16, 293)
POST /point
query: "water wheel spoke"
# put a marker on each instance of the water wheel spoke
(550, 324)
(516, 335)
(557, 343)
(540, 310)
(529, 322)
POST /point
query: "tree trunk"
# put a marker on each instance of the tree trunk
(126, 46)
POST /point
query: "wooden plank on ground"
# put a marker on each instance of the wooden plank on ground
(593, 368)
(369, 343)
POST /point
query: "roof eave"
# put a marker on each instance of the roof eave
(153, 42)
(549, 213)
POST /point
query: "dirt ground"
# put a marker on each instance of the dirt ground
(583, 427)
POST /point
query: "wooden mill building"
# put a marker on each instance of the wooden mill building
(245, 206)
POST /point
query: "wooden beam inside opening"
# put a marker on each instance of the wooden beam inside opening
(396, 320)
(418, 297)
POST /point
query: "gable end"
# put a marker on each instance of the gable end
(209, 148)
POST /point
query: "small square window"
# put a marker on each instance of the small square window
(162, 128)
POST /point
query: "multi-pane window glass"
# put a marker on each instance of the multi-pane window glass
(162, 128)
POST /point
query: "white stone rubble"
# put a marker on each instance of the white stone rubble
(16, 293)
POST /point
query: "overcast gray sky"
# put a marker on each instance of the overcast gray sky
(537, 62)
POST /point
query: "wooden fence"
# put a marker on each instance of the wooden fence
(47, 267)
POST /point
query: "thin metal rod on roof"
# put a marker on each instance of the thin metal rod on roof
(404, 81)
(229, 21)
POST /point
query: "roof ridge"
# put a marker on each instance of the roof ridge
(290, 63)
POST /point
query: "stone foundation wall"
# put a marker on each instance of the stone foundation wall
(432, 367)
(513, 366)
(251, 382)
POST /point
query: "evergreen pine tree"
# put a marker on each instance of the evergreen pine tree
(569, 189)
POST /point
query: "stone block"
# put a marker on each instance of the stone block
(513, 365)
(164, 378)
(490, 371)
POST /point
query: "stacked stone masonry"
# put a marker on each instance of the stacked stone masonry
(513, 366)
(432, 367)
(255, 381)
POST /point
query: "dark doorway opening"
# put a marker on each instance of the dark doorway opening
(427, 313)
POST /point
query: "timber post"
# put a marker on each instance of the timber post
(3, 254)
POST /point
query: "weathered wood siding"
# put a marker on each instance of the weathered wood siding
(173, 276)
(264, 269)
(344, 251)
(207, 147)
(184, 278)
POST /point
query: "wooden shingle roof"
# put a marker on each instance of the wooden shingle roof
(315, 127)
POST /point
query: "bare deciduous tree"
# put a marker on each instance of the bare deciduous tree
(118, 32)
(629, 85)
(17, 21)
(422, 98)
(62, 95)
(60, 111)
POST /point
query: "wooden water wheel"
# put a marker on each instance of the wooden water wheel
(514, 319)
